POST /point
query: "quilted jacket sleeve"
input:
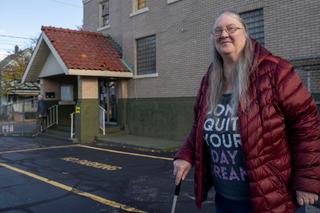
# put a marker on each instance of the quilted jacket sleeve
(303, 127)
(188, 149)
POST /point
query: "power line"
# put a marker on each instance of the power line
(6, 49)
(11, 36)
(11, 40)
(65, 3)
(6, 45)
(13, 43)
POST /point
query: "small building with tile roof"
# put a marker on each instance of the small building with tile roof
(77, 70)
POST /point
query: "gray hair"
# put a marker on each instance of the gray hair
(240, 76)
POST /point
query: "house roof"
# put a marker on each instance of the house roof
(84, 50)
(75, 52)
(6, 61)
(10, 59)
(27, 88)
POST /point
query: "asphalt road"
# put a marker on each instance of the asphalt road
(52, 176)
(40, 175)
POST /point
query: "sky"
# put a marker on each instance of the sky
(24, 18)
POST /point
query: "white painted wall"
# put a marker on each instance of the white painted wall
(51, 67)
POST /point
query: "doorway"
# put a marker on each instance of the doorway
(108, 100)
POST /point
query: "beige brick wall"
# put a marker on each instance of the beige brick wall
(87, 87)
(47, 85)
(123, 89)
(182, 34)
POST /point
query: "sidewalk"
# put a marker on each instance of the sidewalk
(127, 141)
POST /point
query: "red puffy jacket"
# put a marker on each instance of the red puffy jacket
(280, 136)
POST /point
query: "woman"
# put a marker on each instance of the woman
(256, 130)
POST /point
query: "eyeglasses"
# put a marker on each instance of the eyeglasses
(229, 29)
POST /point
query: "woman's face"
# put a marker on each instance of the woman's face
(229, 35)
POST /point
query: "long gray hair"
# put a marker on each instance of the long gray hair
(240, 76)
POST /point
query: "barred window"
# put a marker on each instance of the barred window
(255, 24)
(105, 15)
(309, 71)
(146, 55)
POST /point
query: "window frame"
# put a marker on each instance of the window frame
(172, 1)
(136, 10)
(259, 30)
(144, 3)
(146, 75)
(308, 70)
(103, 18)
(64, 89)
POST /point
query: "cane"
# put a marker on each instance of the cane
(175, 197)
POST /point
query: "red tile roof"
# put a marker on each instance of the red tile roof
(84, 50)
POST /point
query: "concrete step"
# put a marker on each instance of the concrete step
(56, 133)
(106, 138)
(61, 128)
(55, 137)
(113, 129)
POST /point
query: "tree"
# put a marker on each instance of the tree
(12, 73)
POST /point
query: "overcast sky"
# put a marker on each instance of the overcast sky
(24, 18)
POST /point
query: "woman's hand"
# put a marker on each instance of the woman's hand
(306, 198)
(180, 169)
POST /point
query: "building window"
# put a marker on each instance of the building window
(309, 71)
(255, 24)
(66, 92)
(105, 13)
(146, 55)
(141, 4)
(138, 7)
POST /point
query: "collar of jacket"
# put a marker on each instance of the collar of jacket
(259, 54)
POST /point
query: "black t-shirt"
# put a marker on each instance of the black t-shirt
(221, 134)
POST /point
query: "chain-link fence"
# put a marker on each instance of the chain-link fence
(18, 119)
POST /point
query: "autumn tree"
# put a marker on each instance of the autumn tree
(12, 73)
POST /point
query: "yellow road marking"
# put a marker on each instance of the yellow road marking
(37, 149)
(88, 147)
(75, 191)
(126, 153)
(93, 164)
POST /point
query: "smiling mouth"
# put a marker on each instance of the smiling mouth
(226, 44)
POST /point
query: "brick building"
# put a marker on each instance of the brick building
(166, 43)
(163, 50)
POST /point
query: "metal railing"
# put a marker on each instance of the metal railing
(72, 132)
(102, 119)
(53, 116)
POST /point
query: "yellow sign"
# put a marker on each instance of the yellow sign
(77, 109)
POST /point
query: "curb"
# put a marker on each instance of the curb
(165, 152)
